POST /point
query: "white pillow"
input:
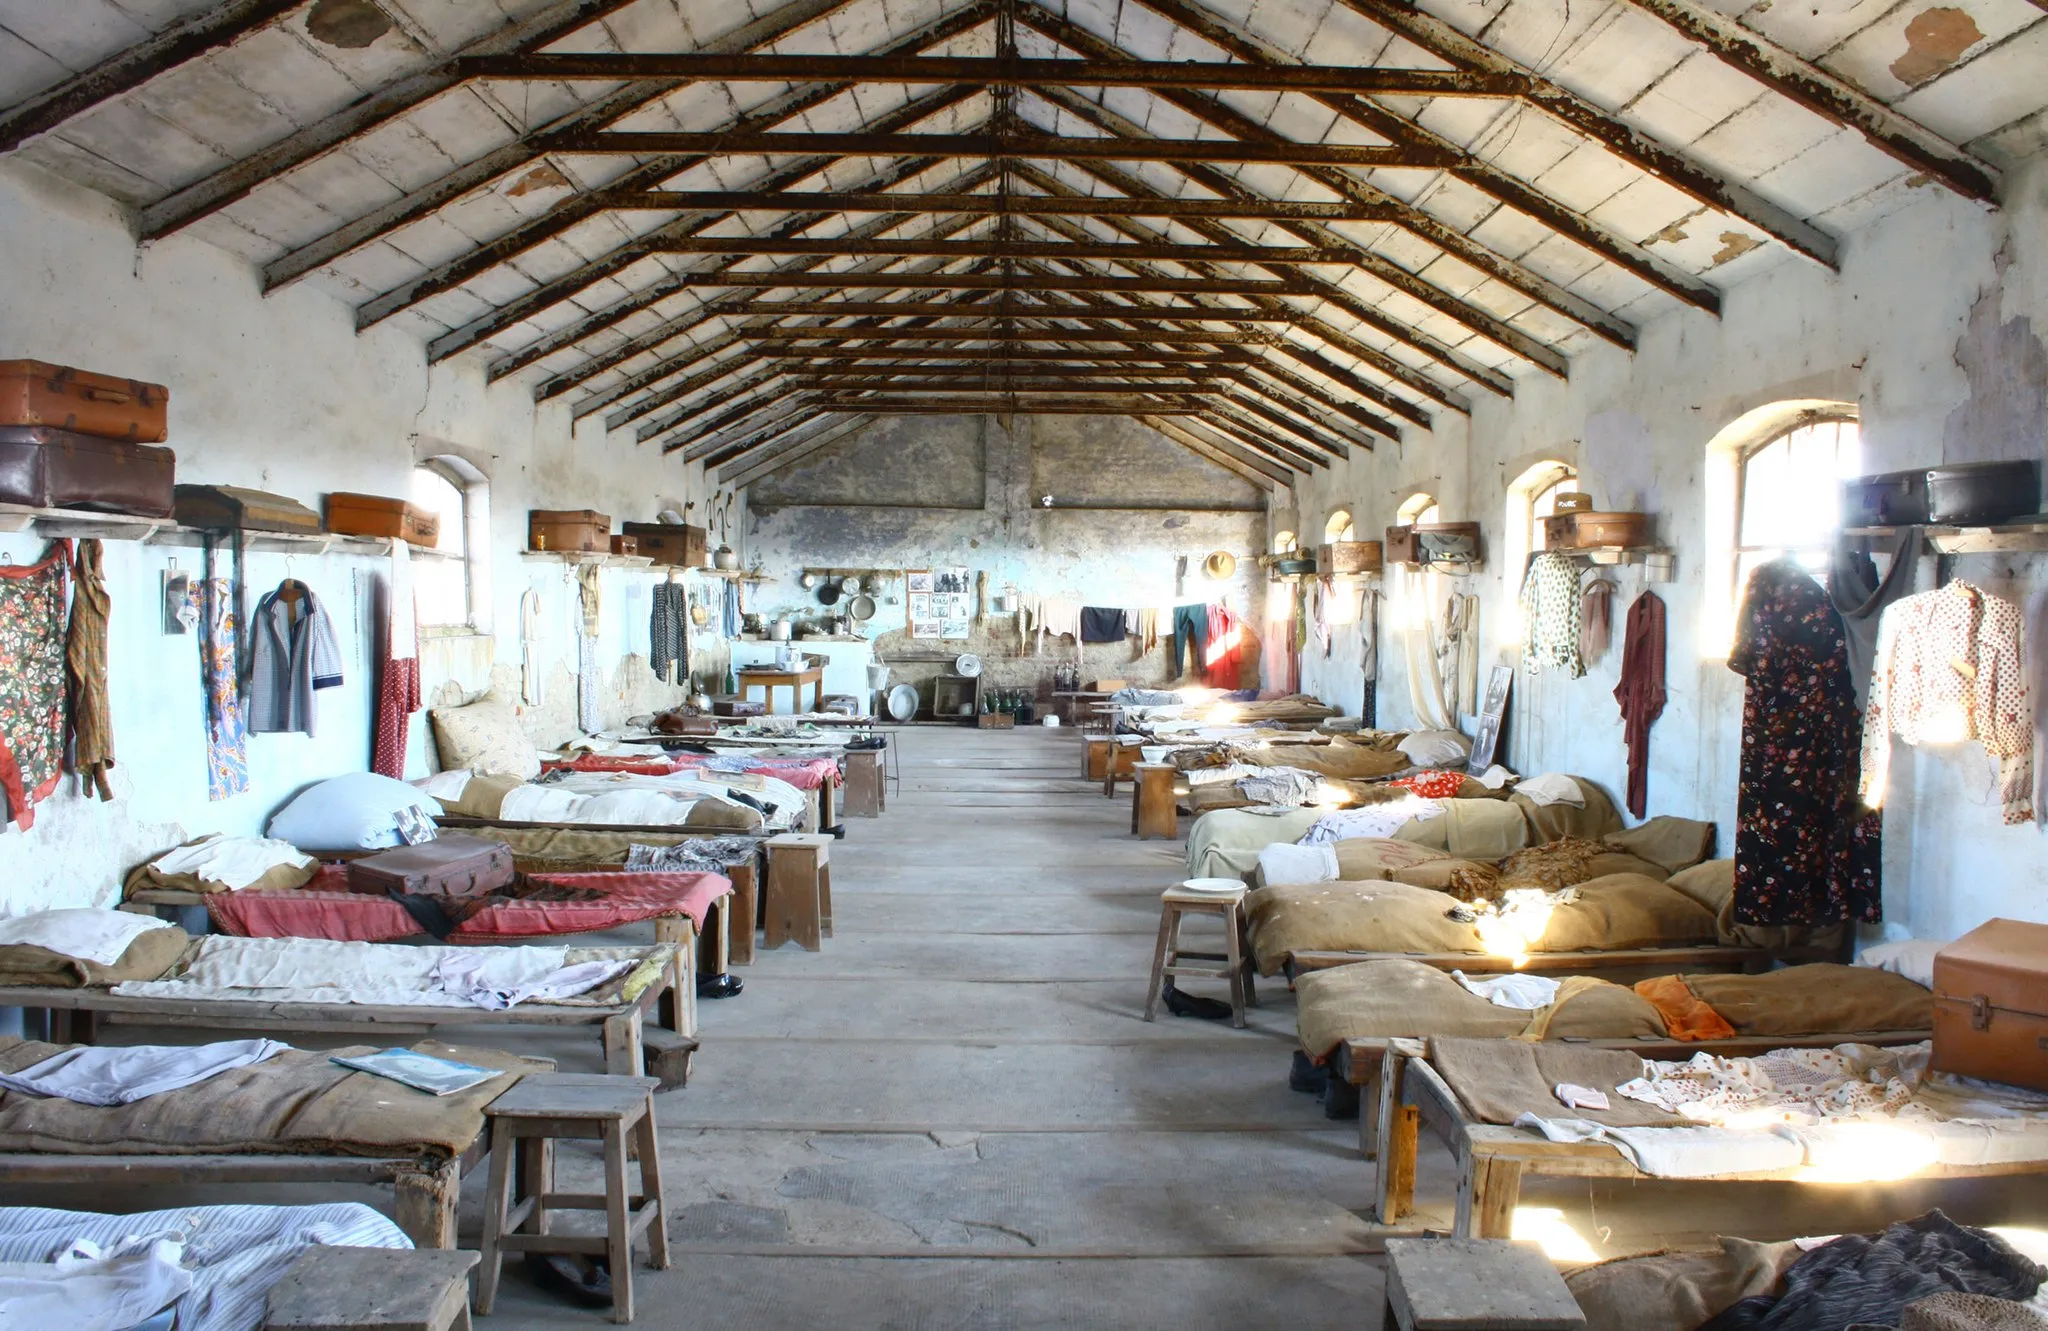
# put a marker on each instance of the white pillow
(1435, 748)
(85, 933)
(1913, 958)
(358, 811)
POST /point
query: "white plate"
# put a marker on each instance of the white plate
(1216, 886)
(903, 702)
(967, 665)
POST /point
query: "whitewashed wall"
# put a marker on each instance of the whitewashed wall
(1934, 328)
(280, 394)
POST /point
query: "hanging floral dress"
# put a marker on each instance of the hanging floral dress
(32, 681)
(1806, 850)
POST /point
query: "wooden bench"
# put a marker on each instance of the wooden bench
(373, 1289)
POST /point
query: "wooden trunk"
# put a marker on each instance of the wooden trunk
(576, 530)
(669, 543)
(59, 397)
(1991, 1004)
(232, 508)
(389, 519)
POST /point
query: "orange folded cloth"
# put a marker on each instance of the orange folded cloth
(1685, 1016)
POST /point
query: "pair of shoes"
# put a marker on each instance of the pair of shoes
(1187, 1005)
(583, 1280)
(1306, 1077)
(720, 986)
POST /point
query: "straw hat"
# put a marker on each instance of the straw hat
(1220, 565)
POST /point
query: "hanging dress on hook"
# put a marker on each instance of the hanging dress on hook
(32, 681)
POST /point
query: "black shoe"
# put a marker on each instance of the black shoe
(720, 986)
(587, 1281)
(1306, 1077)
(838, 832)
(1187, 1005)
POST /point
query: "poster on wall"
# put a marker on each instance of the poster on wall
(941, 603)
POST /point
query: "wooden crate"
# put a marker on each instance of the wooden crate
(995, 721)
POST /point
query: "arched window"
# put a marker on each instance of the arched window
(1785, 494)
(1771, 489)
(1284, 542)
(1419, 507)
(1339, 527)
(1532, 497)
(452, 587)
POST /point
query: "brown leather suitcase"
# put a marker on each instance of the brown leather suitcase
(58, 397)
(1991, 1004)
(576, 529)
(374, 515)
(233, 508)
(625, 545)
(451, 865)
(668, 542)
(1402, 547)
(723, 704)
(1588, 530)
(46, 468)
(1348, 558)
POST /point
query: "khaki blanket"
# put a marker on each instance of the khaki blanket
(1395, 997)
(1816, 999)
(1670, 843)
(1472, 829)
(144, 877)
(1550, 822)
(153, 952)
(1498, 1081)
(299, 1102)
(1338, 758)
(1678, 1291)
(1226, 843)
(1614, 913)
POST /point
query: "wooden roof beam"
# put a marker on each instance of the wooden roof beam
(1088, 312)
(755, 463)
(991, 205)
(1053, 147)
(240, 178)
(1252, 466)
(1015, 248)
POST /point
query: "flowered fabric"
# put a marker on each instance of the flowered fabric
(1550, 615)
(227, 732)
(1806, 850)
(1433, 785)
(1949, 667)
(32, 638)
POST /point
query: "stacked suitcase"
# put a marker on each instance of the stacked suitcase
(70, 438)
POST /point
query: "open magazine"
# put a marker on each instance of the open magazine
(422, 1072)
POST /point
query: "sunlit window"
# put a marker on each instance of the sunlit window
(1786, 495)
(1419, 508)
(1339, 527)
(1284, 542)
(441, 586)
(1543, 503)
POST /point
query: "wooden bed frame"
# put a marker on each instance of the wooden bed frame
(1692, 956)
(1493, 1161)
(654, 1035)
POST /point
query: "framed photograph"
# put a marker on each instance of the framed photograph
(918, 581)
(951, 581)
(1493, 711)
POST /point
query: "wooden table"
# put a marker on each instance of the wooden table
(793, 679)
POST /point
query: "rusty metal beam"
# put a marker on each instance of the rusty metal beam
(1011, 406)
(438, 193)
(1786, 73)
(1051, 147)
(187, 39)
(576, 209)
(1671, 165)
(1480, 174)
(1018, 248)
(851, 357)
(625, 256)
(1093, 312)
(997, 371)
(577, 331)
(203, 198)
(1210, 286)
(990, 205)
(980, 383)
(987, 71)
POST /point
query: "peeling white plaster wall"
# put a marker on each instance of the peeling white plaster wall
(1927, 298)
(280, 394)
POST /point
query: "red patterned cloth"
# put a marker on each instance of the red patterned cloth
(325, 908)
(1433, 785)
(32, 680)
(398, 697)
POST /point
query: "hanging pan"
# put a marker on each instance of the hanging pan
(862, 608)
(828, 594)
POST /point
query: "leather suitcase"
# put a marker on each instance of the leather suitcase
(374, 515)
(1978, 494)
(1991, 1004)
(625, 545)
(232, 508)
(579, 529)
(450, 865)
(1886, 499)
(1401, 546)
(1348, 558)
(728, 705)
(58, 397)
(1587, 530)
(46, 468)
(669, 543)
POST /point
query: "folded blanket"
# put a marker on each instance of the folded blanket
(230, 863)
(124, 1074)
(85, 934)
(1281, 864)
(153, 952)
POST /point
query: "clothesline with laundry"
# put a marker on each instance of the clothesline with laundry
(1205, 637)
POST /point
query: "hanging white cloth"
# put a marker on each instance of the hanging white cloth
(1425, 681)
(404, 620)
(529, 648)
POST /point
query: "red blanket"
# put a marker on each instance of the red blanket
(325, 908)
(803, 773)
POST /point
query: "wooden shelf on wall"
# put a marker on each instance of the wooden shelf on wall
(603, 559)
(82, 524)
(2017, 538)
(731, 574)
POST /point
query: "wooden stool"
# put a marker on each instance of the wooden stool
(866, 795)
(1167, 957)
(1152, 807)
(1454, 1284)
(391, 1289)
(798, 902)
(1095, 757)
(745, 905)
(1123, 761)
(528, 1119)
